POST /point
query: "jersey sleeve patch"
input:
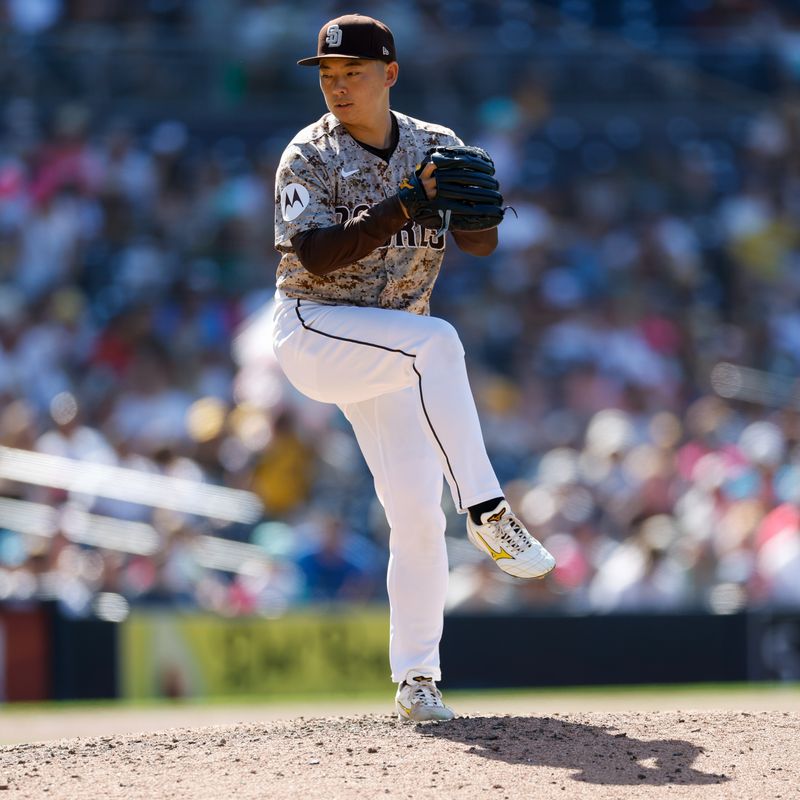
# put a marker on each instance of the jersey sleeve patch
(294, 201)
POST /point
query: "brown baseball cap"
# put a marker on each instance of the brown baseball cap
(353, 36)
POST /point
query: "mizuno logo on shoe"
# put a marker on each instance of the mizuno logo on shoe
(496, 517)
(495, 554)
(407, 711)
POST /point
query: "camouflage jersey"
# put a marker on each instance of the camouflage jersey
(324, 178)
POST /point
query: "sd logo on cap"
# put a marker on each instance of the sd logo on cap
(353, 36)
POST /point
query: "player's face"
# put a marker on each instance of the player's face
(356, 90)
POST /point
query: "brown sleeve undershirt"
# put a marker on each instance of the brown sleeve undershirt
(324, 250)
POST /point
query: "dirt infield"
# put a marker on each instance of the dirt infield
(599, 755)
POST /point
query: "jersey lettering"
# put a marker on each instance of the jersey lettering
(432, 240)
(410, 235)
(406, 236)
(344, 214)
(413, 235)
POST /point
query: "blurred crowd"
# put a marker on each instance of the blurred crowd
(633, 346)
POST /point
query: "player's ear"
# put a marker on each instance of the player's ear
(392, 70)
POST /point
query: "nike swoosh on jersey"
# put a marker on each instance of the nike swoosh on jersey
(348, 172)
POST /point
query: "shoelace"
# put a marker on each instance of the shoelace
(426, 693)
(512, 534)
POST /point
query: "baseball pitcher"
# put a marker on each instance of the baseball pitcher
(364, 200)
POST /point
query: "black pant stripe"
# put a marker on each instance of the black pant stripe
(419, 381)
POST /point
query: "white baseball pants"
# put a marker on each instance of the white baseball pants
(401, 381)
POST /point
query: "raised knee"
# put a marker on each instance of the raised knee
(443, 342)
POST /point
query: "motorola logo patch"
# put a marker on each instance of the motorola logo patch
(294, 200)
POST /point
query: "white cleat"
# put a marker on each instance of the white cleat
(420, 701)
(507, 541)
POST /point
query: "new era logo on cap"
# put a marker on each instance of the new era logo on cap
(353, 36)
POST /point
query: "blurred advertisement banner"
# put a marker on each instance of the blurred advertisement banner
(174, 655)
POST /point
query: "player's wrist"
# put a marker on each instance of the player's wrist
(411, 194)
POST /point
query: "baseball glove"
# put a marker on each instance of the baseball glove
(467, 193)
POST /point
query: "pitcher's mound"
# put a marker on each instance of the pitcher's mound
(728, 754)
